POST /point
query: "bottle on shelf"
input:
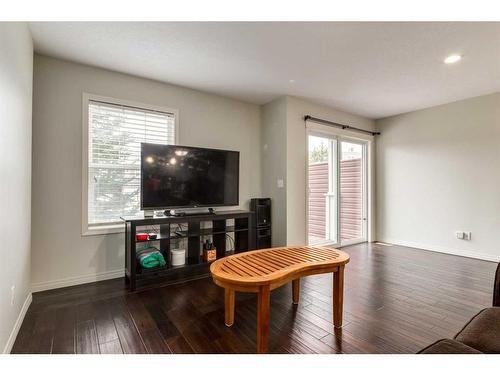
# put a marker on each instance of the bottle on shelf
(209, 251)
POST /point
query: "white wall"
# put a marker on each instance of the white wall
(273, 148)
(296, 158)
(16, 82)
(61, 256)
(438, 171)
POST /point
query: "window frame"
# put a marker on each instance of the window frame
(86, 99)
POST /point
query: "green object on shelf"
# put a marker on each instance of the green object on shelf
(151, 258)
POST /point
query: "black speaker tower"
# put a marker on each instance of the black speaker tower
(261, 222)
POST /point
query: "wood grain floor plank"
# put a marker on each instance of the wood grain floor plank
(111, 347)
(86, 338)
(104, 323)
(129, 337)
(64, 341)
(146, 326)
(43, 333)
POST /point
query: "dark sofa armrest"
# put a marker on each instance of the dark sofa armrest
(496, 288)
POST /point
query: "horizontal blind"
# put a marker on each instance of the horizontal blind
(114, 157)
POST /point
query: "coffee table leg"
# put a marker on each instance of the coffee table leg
(295, 291)
(229, 307)
(263, 318)
(338, 296)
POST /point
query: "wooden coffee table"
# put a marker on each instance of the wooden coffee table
(261, 271)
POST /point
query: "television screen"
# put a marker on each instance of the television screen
(178, 176)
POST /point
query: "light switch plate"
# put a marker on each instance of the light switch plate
(281, 183)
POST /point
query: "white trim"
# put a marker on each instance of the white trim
(330, 137)
(77, 280)
(371, 193)
(354, 241)
(103, 229)
(86, 98)
(17, 325)
(444, 250)
(366, 188)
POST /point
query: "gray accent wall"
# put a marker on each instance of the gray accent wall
(273, 149)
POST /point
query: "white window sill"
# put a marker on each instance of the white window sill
(104, 229)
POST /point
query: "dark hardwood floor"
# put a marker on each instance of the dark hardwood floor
(397, 300)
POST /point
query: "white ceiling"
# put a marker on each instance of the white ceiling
(371, 69)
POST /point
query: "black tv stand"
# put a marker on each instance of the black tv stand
(189, 227)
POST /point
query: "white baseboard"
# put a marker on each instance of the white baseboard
(17, 324)
(445, 250)
(77, 280)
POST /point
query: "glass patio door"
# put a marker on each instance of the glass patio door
(336, 190)
(352, 186)
(322, 188)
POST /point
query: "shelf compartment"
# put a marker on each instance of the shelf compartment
(158, 270)
(158, 238)
(203, 232)
(208, 232)
(146, 271)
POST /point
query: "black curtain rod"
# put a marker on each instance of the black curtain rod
(337, 125)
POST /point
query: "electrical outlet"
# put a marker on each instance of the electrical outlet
(12, 294)
(467, 236)
(460, 235)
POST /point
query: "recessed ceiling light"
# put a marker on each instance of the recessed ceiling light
(292, 81)
(452, 59)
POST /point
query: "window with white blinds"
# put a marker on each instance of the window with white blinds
(115, 134)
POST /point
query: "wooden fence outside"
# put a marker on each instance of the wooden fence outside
(351, 202)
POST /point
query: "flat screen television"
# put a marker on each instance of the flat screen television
(175, 176)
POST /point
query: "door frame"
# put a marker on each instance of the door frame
(364, 174)
(368, 181)
(330, 136)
